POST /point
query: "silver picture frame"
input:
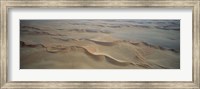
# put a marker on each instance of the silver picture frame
(5, 5)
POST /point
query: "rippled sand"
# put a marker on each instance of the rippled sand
(99, 44)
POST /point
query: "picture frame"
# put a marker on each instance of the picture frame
(4, 44)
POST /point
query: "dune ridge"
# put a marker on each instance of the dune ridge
(107, 57)
(31, 27)
(39, 31)
(111, 43)
(89, 31)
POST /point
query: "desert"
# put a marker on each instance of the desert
(100, 44)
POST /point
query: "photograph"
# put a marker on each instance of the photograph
(100, 44)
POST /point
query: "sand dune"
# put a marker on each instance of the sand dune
(89, 31)
(80, 46)
(139, 59)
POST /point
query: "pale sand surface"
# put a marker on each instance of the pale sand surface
(99, 44)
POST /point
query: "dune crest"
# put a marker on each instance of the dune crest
(91, 51)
